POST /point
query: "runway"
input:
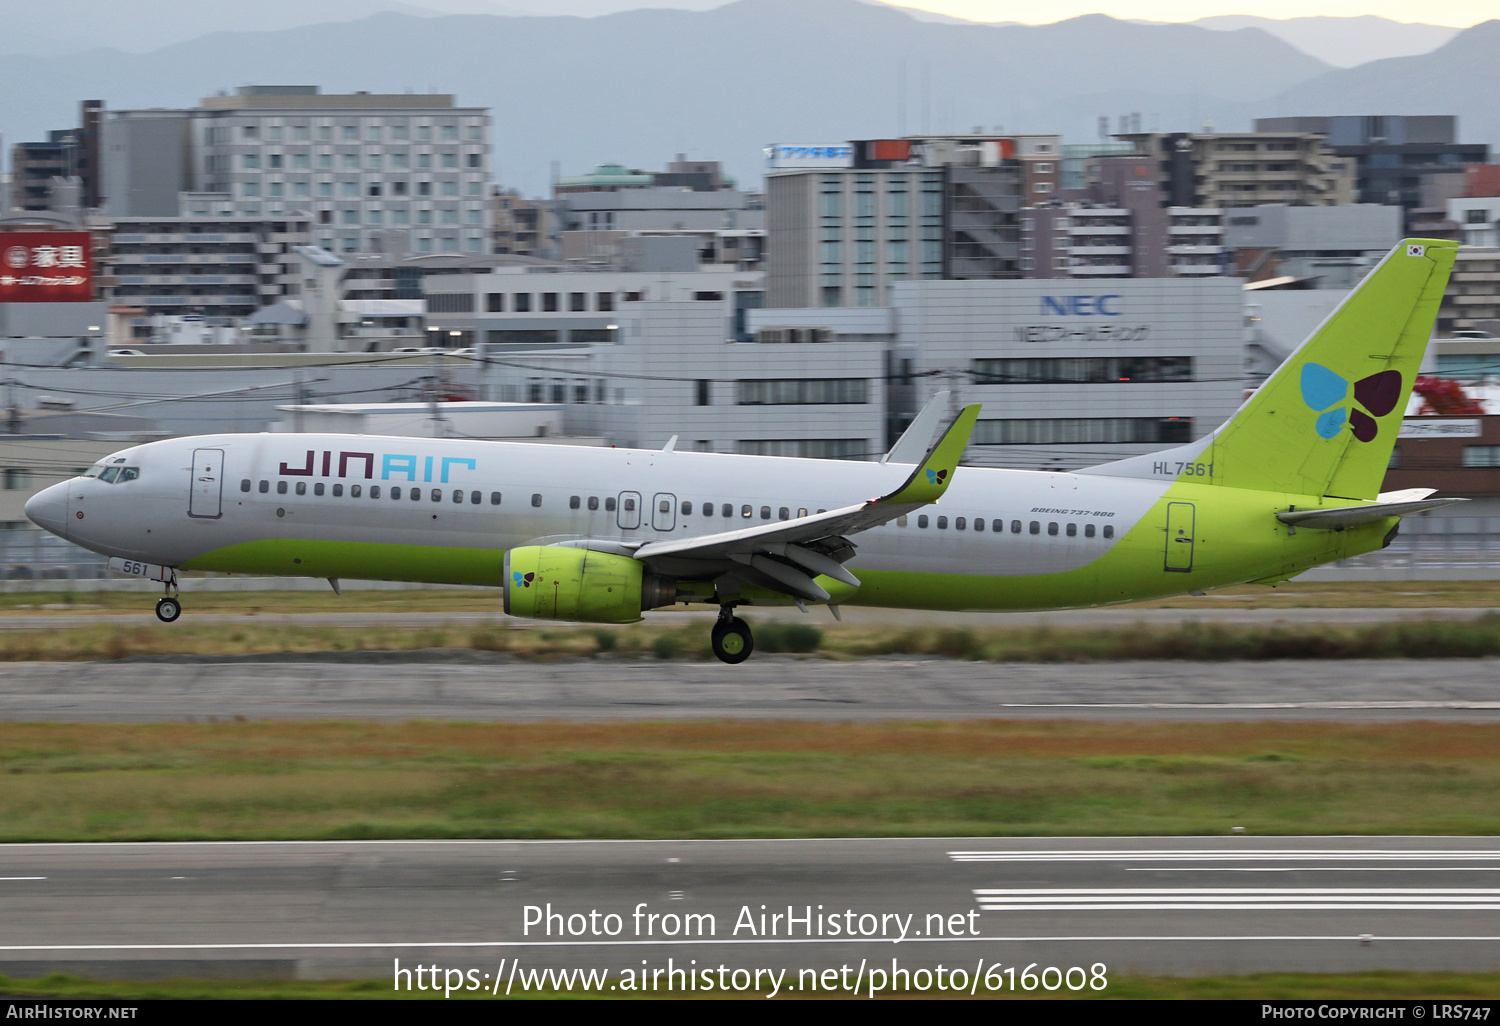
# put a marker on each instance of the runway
(1118, 617)
(1135, 905)
(467, 685)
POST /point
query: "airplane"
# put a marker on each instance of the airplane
(599, 535)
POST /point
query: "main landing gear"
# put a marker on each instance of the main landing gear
(731, 638)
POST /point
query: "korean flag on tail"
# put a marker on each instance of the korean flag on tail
(1416, 251)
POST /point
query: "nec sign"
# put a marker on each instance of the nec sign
(1081, 306)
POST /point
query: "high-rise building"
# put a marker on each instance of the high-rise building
(1247, 169)
(1392, 153)
(60, 175)
(1120, 226)
(376, 173)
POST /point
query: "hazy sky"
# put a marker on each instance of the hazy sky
(1432, 12)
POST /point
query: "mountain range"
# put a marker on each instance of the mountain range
(639, 86)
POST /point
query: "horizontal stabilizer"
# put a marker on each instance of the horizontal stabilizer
(1353, 516)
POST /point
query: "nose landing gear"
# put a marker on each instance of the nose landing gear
(169, 606)
(731, 638)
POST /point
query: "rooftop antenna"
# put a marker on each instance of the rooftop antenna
(901, 98)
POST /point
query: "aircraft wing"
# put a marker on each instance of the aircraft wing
(787, 555)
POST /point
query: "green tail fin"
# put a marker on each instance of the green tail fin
(1325, 422)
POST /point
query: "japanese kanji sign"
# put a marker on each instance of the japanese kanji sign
(45, 267)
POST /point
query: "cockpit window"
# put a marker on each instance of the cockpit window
(114, 474)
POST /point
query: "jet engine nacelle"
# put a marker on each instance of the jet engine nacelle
(554, 582)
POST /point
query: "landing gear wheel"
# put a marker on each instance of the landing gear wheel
(168, 609)
(731, 640)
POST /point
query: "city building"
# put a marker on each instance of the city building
(375, 173)
(597, 212)
(1070, 374)
(846, 222)
(521, 227)
(550, 304)
(60, 175)
(1472, 303)
(1392, 154)
(672, 371)
(217, 268)
(1120, 227)
(1247, 169)
(1328, 247)
(1477, 219)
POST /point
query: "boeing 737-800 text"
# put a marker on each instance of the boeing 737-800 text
(602, 535)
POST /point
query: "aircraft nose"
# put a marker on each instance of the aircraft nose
(48, 509)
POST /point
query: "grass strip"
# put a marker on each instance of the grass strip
(279, 780)
(1377, 985)
(666, 639)
(1293, 595)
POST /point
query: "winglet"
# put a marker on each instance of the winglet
(933, 475)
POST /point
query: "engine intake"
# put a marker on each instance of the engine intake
(555, 582)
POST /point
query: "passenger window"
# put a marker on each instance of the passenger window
(437, 494)
(1052, 528)
(664, 506)
(301, 487)
(475, 498)
(1036, 527)
(458, 497)
(280, 487)
(997, 526)
(687, 508)
(318, 488)
(536, 500)
(354, 491)
(609, 504)
(1015, 527)
(922, 520)
(416, 495)
(745, 512)
(574, 502)
(783, 514)
(1072, 530)
(374, 491)
(494, 498)
(110, 473)
(942, 523)
(765, 512)
(1088, 530)
(338, 491)
(708, 509)
(395, 491)
(265, 486)
(245, 485)
(901, 521)
(979, 523)
(726, 510)
(959, 523)
(801, 512)
(1109, 530)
